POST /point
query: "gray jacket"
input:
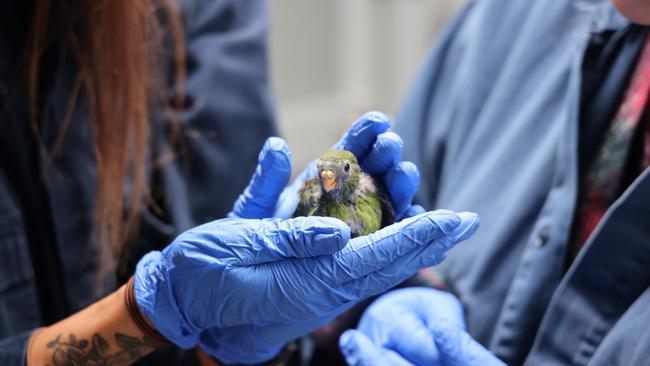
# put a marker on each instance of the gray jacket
(493, 123)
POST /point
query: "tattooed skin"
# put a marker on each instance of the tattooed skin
(97, 352)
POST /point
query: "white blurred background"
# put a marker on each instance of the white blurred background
(332, 60)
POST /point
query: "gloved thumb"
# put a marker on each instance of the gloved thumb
(457, 348)
(361, 136)
(271, 176)
(359, 350)
(402, 182)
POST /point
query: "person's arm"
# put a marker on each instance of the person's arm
(202, 287)
(206, 280)
(103, 333)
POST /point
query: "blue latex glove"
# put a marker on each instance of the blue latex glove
(378, 150)
(401, 319)
(373, 264)
(267, 276)
(457, 348)
(418, 326)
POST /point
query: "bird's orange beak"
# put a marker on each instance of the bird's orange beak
(329, 180)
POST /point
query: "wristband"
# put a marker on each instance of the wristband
(138, 318)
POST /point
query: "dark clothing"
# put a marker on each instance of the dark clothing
(623, 153)
(494, 123)
(48, 260)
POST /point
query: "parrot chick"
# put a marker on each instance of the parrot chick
(342, 190)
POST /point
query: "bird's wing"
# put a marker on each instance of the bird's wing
(309, 196)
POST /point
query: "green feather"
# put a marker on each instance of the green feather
(338, 156)
(368, 213)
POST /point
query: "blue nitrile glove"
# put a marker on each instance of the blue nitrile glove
(272, 272)
(457, 348)
(378, 150)
(406, 331)
(313, 291)
(400, 320)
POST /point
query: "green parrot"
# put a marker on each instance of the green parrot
(344, 191)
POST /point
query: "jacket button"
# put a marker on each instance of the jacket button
(542, 237)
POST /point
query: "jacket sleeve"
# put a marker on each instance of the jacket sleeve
(13, 349)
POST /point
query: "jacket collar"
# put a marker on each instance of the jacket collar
(604, 15)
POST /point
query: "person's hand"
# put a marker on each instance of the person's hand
(400, 320)
(276, 279)
(254, 343)
(454, 346)
(457, 348)
(378, 150)
(414, 327)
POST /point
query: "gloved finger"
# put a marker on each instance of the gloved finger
(400, 320)
(358, 350)
(414, 210)
(271, 176)
(408, 335)
(386, 152)
(405, 265)
(469, 225)
(402, 182)
(274, 239)
(457, 348)
(367, 254)
(360, 138)
(448, 307)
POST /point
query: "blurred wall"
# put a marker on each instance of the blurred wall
(332, 60)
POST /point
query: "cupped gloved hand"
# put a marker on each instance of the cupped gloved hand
(400, 320)
(366, 266)
(378, 150)
(422, 327)
(276, 278)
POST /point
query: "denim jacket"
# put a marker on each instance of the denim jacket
(48, 261)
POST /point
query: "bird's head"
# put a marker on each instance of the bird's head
(338, 171)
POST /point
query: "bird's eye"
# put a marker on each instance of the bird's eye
(347, 167)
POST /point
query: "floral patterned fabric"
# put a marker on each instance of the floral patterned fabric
(605, 179)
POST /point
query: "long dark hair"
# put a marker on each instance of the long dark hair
(118, 54)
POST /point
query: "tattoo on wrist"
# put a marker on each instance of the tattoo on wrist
(81, 352)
